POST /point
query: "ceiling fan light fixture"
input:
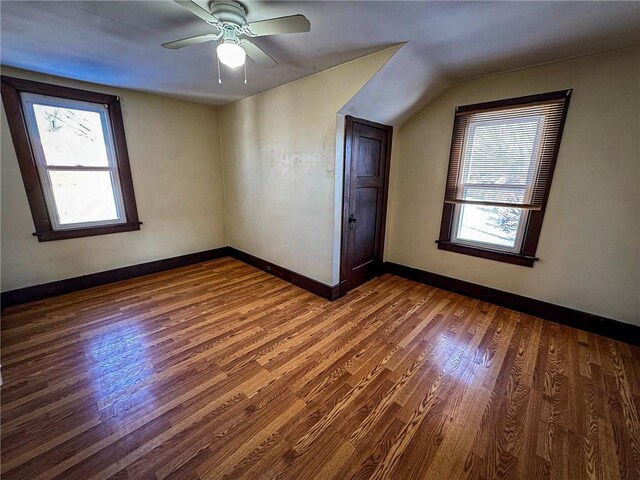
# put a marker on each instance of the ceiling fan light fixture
(229, 18)
(231, 54)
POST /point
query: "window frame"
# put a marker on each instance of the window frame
(46, 228)
(531, 226)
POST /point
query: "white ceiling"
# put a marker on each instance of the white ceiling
(118, 43)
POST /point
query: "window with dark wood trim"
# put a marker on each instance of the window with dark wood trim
(72, 153)
(502, 159)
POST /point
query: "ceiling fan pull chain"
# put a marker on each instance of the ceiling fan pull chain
(245, 73)
(218, 62)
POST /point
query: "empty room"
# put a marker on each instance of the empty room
(320, 240)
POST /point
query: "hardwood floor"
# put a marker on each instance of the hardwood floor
(219, 370)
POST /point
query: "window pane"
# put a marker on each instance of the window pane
(501, 151)
(83, 196)
(493, 225)
(495, 194)
(70, 136)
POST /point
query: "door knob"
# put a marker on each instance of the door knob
(352, 221)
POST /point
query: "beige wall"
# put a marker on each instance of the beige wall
(177, 176)
(590, 242)
(283, 185)
(279, 156)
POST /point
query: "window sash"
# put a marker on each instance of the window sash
(28, 100)
(467, 169)
(517, 245)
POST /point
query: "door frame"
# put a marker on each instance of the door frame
(346, 194)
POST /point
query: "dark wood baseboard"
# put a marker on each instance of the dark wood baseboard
(607, 327)
(589, 322)
(68, 285)
(313, 286)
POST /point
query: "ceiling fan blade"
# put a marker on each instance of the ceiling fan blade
(197, 10)
(258, 55)
(185, 42)
(275, 26)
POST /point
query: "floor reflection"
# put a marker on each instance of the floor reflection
(120, 370)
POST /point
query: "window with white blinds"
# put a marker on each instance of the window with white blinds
(502, 159)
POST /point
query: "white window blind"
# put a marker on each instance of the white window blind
(504, 156)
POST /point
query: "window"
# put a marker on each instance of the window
(502, 159)
(73, 158)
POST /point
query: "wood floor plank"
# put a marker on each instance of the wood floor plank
(221, 371)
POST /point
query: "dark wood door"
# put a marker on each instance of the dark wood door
(366, 183)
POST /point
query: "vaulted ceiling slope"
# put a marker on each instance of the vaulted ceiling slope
(489, 41)
(118, 43)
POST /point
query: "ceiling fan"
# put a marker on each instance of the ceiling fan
(230, 19)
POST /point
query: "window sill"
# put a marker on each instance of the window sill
(497, 255)
(50, 235)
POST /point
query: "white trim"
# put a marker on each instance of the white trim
(528, 187)
(493, 246)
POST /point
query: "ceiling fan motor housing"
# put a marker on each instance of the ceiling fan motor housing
(229, 12)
